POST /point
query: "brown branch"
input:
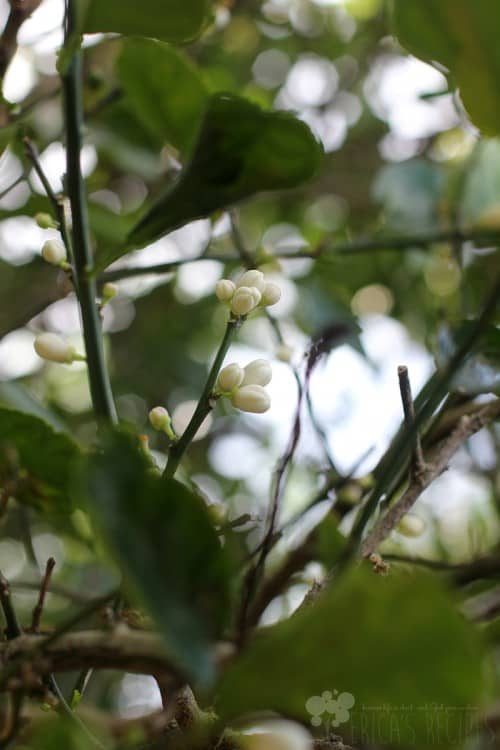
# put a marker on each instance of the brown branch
(38, 610)
(12, 629)
(20, 11)
(123, 648)
(467, 426)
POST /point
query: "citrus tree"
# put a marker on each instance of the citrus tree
(249, 374)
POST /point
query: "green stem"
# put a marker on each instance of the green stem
(100, 388)
(204, 405)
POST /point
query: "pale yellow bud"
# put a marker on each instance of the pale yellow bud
(284, 353)
(271, 294)
(230, 377)
(253, 278)
(54, 252)
(251, 398)
(258, 372)
(54, 348)
(411, 525)
(160, 420)
(244, 300)
(224, 290)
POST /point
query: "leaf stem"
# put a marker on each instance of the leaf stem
(100, 388)
(204, 405)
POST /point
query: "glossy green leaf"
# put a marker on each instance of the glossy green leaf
(42, 458)
(462, 36)
(164, 89)
(240, 151)
(164, 542)
(388, 641)
(174, 21)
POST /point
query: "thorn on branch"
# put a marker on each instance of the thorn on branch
(417, 462)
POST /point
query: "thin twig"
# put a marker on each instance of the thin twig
(328, 247)
(255, 571)
(44, 586)
(438, 463)
(418, 463)
(12, 627)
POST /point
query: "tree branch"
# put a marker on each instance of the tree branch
(467, 426)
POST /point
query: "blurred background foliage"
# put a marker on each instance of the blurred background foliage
(401, 158)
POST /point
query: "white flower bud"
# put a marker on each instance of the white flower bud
(251, 398)
(271, 294)
(253, 278)
(54, 348)
(257, 296)
(258, 372)
(230, 377)
(54, 252)
(411, 525)
(224, 290)
(277, 735)
(284, 353)
(243, 301)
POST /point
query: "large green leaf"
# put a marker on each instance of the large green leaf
(164, 89)
(40, 456)
(240, 150)
(163, 540)
(170, 20)
(462, 36)
(388, 641)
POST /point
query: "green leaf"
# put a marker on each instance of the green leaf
(240, 150)
(462, 36)
(388, 641)
(164, 89)
(173, 21)
(42, 457)
(163, 540)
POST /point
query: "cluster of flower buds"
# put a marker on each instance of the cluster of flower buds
(54, 348)
(251, 291)
(244, 386)
(54, 252)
